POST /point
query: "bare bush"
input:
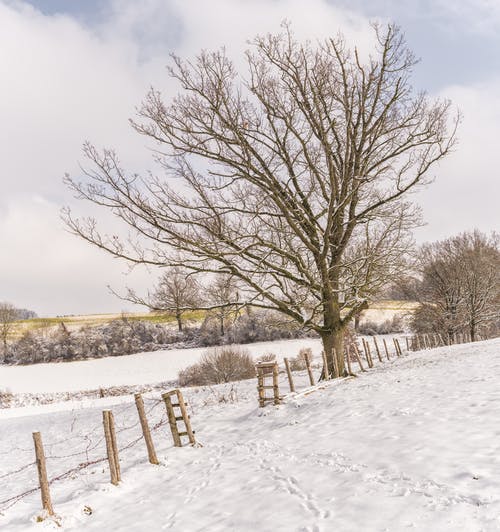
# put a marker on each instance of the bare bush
(267, 357)
(298, 363)
(219, 365)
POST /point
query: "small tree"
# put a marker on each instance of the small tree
(8, 315)
(176, 292)
(223, 296)
(292, 177)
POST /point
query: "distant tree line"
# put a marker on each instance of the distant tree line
(125, 336)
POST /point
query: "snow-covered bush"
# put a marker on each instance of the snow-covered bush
(219, 365)
(298, 363)
(396, 324)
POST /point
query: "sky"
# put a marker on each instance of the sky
(73, 71)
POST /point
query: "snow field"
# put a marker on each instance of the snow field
(409, 445)
(138, 369)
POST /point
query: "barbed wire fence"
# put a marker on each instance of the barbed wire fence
(91, 451)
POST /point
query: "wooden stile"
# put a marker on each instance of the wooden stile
(139, 403)
(42, 474)
(173, 419)
(289, 374)
(266, 369)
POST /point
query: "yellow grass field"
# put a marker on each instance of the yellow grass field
(378, 312)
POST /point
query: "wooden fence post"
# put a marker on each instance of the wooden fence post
(139, 403)
(111, 447)
(386, 349)
(407, 343)
(395, 346)
(358, 358)
(42, 474)
(367, 356)
(325, 365)
(289, 374)
(398, 347)
(377, 349)
(309, 370)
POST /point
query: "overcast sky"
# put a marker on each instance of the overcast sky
(76, 70)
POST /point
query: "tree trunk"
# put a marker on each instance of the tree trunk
(222, 326)
(473, 331)
(179, 321)
(331, 341)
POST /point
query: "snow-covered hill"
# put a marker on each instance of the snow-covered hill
(411, 444)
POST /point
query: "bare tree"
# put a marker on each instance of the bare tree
(459, 290)
(177, 292)
(8, 315)
(223, 296)
(292, 179)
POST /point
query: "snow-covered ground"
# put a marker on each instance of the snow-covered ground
(138, 369)
(411, 445)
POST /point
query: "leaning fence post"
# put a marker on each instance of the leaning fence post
(377, 349)
(309, 370)
(289, 374)
(367, 354)
(386, 349)
(358, 358)
(398, 347)
(395, 346)
(407, 343)
(111, 448)
(42, 473)
(139, 403)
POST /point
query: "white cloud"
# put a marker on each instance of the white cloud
(63, 83)
(467, 187)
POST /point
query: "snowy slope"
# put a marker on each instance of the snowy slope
(410, 445)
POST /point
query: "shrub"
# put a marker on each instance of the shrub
(268, 357)
(372, 328)
(298, 363)
(219, 365)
